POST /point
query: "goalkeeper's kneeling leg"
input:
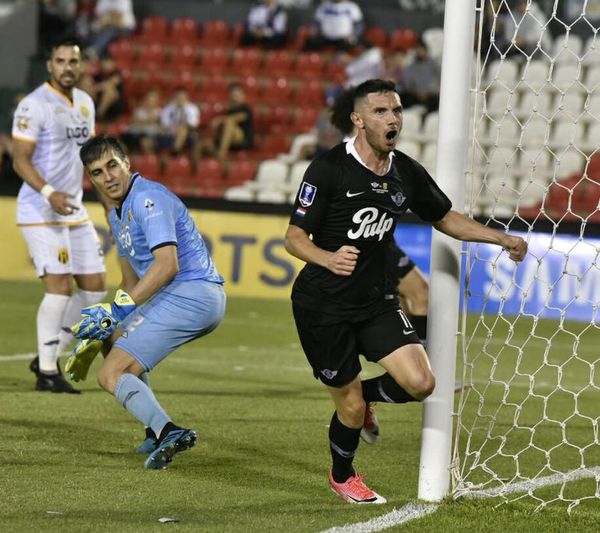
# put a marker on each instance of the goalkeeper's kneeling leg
(79, 362)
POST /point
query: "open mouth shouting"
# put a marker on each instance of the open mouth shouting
(391, 136)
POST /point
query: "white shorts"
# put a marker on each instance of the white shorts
(64, 249)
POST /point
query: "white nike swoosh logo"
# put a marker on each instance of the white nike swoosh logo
(351, 194)
(407, 331)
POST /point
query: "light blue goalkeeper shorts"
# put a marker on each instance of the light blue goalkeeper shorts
(179, 313)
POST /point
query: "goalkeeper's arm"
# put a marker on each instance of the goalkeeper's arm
(161, 272)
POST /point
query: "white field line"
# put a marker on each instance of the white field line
(410, 511)
(413, 511)
(533, 484)
(17, 357)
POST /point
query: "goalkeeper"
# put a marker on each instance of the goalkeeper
(170, 294)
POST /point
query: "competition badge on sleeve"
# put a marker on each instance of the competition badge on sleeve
(307, 194)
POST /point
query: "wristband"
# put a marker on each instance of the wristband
(47, 190)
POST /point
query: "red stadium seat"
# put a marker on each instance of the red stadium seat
(403, 39)
(278, 64)
(151, 54)
(305, 119)
(273, 145)
(123, 52)
(593, 168)
(184, 56)
(210, 172)
(240, 172)
(376, 36)
(148, 165)
(245, 61)
(310, 93)
(157, 78)
(215, 33)
(236, 34)
(155, 29)
(178, 170)
(183, 79)
(184, 30)
(302, 34)
(214, 61)
(251, 89)
(309, 65)
(335, 73)
(214, 89)
(277, 92)
(135, 83)
(209, 110)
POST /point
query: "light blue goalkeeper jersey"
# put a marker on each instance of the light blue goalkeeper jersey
(151, 216)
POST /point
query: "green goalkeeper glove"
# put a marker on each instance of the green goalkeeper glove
(81, 358)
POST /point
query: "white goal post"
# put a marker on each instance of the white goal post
(519, 129)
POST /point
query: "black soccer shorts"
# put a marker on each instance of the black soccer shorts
(332, 344)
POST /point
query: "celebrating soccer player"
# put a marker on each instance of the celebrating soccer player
(170, 294)
(349, 202)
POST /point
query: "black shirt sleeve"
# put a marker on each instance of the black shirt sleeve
(314, 194)
(428, 201)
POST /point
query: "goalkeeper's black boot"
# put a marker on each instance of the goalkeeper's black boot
(34, 366)
(54, 383)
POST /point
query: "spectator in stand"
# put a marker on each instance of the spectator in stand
(234, 129)
(105, 86)
(84, 17)
(56, 21)
(266, 25)
(338, 23)
(112, 19)
(522, 31)
(180, 120)
(145, 124)
(422, 81)
(365, 63)
(395, 63)
(327, 135)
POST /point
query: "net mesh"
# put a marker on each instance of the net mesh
(527, 421)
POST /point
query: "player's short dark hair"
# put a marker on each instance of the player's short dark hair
(94, 148)
(341, 109)
(65, 41)
(373, 86)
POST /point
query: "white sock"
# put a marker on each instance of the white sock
(49, 318)
(73, 315)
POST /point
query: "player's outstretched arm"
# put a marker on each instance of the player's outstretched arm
(341, 262)
(464, 228)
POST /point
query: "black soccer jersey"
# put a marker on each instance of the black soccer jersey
(341, 202)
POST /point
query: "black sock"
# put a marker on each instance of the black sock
(169, 426)
(343, 443)
(150, 434)
(384, 389)
(420, 325)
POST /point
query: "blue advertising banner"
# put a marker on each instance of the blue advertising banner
(560, 277)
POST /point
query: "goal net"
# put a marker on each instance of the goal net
(527, 421)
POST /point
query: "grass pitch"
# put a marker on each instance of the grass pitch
(67, 463)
